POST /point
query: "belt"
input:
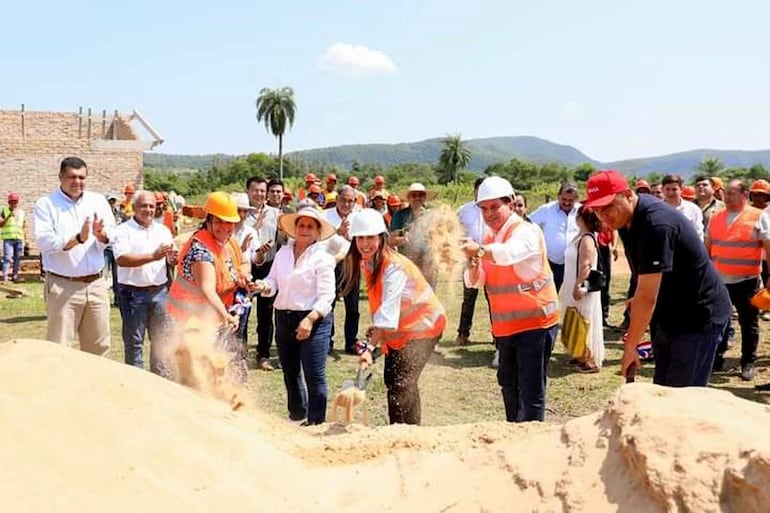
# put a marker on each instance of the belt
(148, 288)
(82, 279)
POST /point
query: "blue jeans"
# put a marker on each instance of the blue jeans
(686, 360)
(15, 246)
(522, 372)
(110, 266)
(305, 397)
(144, 310)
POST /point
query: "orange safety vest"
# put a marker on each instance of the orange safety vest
(185, 298)
(517, 305)
(388, 217)
(735, 250)
(168, 222)
(422, 316)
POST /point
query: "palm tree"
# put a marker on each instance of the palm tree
(276, 108)
(710, 166)
(454, 157)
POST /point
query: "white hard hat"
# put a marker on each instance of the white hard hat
(367, 222)
(494, 187)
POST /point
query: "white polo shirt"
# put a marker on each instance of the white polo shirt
(133, 238)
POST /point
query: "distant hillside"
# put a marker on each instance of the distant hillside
(484, 152)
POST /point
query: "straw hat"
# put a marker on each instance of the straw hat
(418, 187)
(287, 222)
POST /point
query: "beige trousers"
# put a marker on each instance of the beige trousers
(78, 310)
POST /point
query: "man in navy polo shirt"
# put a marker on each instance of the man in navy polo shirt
(676, 282)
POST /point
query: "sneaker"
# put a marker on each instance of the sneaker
(495, 360)
(748, 372)
(264, 364)
(462, 340)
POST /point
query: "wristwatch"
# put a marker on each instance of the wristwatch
(481, 252)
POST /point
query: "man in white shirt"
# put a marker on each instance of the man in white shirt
(471, 219)
(72, 228)
(338, 246)
(557, 220)
(672, 194)
(142, 250)
(264, 219)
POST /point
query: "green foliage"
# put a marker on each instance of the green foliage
(710, 166)
(276, 108)
(526, 175)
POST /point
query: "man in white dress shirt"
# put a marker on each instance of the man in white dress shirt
(142, 250)
(72, 228)
(557, 220)
(248, 240)
(471, 219)
(672, 194)
(338, 246)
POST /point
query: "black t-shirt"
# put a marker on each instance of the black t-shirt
(662, 240)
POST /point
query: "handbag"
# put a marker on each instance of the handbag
(574, 332)
(596, 280)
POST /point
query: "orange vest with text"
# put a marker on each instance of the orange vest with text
(517, 305)
(422, 315)
(735, 249)
(185, 298)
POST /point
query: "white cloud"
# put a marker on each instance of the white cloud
(355, 60)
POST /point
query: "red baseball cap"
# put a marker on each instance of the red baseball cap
(14, 196)
(602, 187)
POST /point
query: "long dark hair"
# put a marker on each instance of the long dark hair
(351, 266)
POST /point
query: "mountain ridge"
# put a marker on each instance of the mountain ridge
(485, 152)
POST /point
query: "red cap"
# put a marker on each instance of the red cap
(602, 187)
(688, 192)
(314, 189)
(643, 184)
(331, 177)
(310, 177)
(379, 179)
(287, 195)
(353, 180)
(14, 196)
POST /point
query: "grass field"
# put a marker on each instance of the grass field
(457, 386)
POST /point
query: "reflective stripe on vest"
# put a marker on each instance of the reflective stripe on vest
(420, 317)
(517, 305)
(12, 229)
(735, 251)
(185, 298)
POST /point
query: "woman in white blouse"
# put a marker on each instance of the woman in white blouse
(302, 280)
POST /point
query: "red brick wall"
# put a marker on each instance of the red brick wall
(29, 162)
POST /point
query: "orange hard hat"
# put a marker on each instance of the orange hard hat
(14, 196)
(394, 200)
(158, 196)
(310, 177)
(761, 299)
(643, 184)
(379, 179)
(221, 205)
(718, 183)
(353, 180)
(129, 189)
(761, 186)
(688, 192)
(314, 189)
(287, 196)
(331, 177)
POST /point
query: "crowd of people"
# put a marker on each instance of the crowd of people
(694, 255)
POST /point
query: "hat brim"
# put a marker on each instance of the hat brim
(429, 195)
(599, 202)
(287, 223)
(228, 219)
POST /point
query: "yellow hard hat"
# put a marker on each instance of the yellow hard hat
(221, 205)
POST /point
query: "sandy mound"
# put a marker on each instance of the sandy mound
(81, 433)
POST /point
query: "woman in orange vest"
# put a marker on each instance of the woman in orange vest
(407, 317)
(210, 269)
(512, 264)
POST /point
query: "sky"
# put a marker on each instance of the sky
(616, 79)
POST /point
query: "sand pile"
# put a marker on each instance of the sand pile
(82, 433)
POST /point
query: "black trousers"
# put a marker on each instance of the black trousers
(606, 256)
(264, 314)
(558, 274)
(748, 319)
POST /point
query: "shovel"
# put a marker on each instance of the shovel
(353, 393)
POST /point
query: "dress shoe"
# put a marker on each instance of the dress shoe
(748, 372)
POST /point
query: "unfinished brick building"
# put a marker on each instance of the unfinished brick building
(32, 144)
